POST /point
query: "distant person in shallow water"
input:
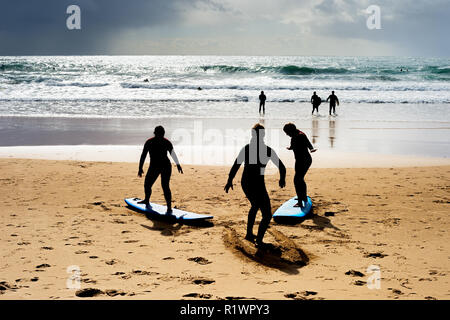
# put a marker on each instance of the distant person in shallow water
(262, 102)
(255, 157)
(157, 148)
(316, 101)
(333, 100)
(301, 146)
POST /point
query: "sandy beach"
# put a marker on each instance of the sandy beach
(58, 214)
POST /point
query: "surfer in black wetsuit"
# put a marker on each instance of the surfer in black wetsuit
(262, 102)
(301, 146)
(255, 157)
(333, 100)
(316, 101)
(158, 147)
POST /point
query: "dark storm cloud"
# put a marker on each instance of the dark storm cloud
(39, 27)
(417, 27)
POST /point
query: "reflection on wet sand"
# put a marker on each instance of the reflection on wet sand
(331, 131)
(315, 130)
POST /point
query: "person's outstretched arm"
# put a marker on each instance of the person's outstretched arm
(234, 169)
(175, 159)
(328, 98)
(280, 165)
(142, 160)
(309, 145)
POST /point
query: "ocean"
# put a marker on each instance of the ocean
(388, 105)
(169, 86)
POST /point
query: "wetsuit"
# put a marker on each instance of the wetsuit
(315, 100)
(255, 158)
(300, 145)
(333, 99)
(157, 147)
(262, 102)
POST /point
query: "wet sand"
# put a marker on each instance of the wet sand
(57, 214)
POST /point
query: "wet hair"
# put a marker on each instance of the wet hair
(289, 128)
(159, 131)
(258, 130)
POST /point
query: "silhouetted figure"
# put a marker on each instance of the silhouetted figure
(255, 157)
(262, 102)
(145, 80)
(301, 147)
(157, 148)
(333, 100)
(316, 101)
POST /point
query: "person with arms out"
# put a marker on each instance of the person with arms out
(262, 102)
(157, 148)
(255, 157)
(301, 146)
(316, 101)
(333, 100)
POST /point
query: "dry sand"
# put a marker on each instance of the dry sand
(56, 214)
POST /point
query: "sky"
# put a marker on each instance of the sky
(228, 27)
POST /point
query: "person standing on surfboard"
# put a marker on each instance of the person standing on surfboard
(301, 146)
(157, 148)
(333, 100)
(255, 157)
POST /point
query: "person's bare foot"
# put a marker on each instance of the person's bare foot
(169, 211)
(146, 202)
(298, 205)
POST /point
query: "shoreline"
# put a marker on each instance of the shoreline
(214, 156)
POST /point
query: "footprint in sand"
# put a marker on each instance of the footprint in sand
(5, 286)
(81, 252)
(354, 273)
(198, 295)
(88, 293)
(375, 255)
(238, 298)
(87, 280)
(281, 252)
(202, 281)
(359, 283)
(301, 295)
(200, 260)
(113, 292)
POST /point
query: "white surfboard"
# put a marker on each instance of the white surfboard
(160, 210)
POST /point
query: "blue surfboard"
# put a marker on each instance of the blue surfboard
(287, 209)
(157, 209)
